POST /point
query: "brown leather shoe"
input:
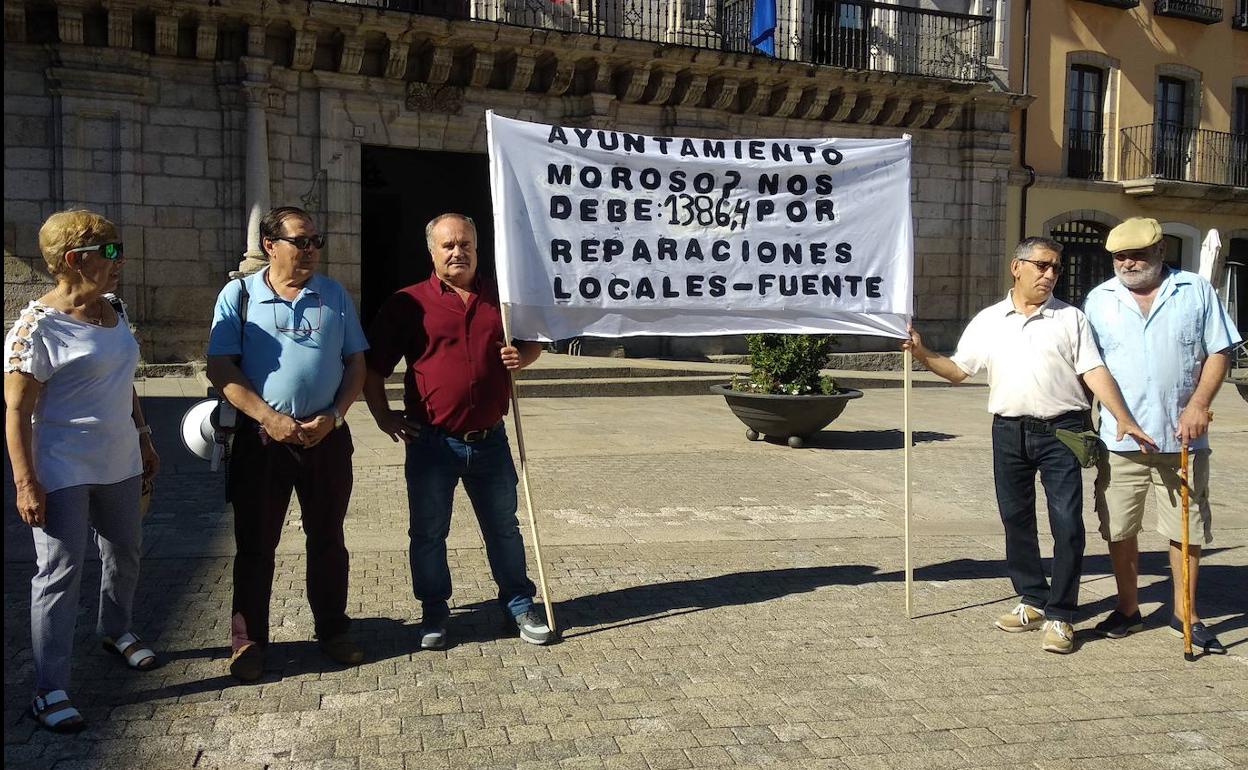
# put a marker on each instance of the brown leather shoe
(247, 663)
(342, 649)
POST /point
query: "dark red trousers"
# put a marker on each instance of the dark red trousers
(261, 480)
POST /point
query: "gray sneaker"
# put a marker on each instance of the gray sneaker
(533, 627)
(1023, 617)
(432, 633)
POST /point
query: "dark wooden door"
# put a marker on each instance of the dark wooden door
(401, 191)
(1084, 258)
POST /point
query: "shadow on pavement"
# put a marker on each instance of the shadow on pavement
(639, 604)
(381, 638)
(188, 515)
(1220, 584)
(387, 638)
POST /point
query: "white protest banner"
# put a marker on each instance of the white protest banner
(615, 234)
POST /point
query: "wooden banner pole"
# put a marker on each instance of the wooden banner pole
(906, 362)
(524, 483)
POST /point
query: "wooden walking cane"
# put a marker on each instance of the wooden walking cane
(524, 483)
(1187, 578)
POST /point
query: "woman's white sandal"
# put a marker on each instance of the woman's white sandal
(132, 650)
(54, 712)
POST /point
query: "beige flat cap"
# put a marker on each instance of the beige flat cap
(1134, 233)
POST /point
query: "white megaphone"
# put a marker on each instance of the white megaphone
(206, 432)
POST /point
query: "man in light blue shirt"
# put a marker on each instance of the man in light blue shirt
(1166, 339)
(287, 349)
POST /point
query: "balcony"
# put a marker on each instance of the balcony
(852, 34)
(1116, 3)
(1201, 11)
(1240, 19)
(1085, 154)
(1185, 155)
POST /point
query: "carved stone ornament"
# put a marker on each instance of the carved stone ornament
(166, 35)
(423, 97)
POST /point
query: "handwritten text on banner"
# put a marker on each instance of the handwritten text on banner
(613, 233)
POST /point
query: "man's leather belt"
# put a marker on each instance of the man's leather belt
(1039, 424)
(473, 436)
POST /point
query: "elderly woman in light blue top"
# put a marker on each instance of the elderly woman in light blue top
(80, 449)
(1166, 338)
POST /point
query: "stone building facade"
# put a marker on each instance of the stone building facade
(181, 121)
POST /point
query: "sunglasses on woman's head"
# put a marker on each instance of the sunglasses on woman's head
(111, 251)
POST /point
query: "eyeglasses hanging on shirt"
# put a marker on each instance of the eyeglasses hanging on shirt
(298, 325)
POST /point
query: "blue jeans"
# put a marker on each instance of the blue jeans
(1020, 448)
(436, 462)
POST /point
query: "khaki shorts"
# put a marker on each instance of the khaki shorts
(1122, 483)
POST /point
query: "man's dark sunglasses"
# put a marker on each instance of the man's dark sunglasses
(110, 251)
(1044, 267)
(302, 242)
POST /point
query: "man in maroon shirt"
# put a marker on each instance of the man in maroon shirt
(455, 393)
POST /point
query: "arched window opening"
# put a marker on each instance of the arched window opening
(1084, 258)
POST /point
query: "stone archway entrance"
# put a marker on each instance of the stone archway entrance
(401, 190)
(1084, 255)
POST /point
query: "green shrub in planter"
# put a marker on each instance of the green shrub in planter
(787, 364)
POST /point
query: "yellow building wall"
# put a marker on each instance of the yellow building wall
(1139, 41)
(1044, 203)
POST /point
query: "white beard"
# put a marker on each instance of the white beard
(1140, 277)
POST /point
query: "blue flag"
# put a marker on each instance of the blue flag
(763, 26)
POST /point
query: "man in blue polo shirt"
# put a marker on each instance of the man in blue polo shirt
(293, 364)
(1166, 339)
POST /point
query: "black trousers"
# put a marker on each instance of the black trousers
(262, 478)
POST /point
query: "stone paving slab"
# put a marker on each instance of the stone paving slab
(723, 603)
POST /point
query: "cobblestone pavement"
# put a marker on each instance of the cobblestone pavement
(723, 604)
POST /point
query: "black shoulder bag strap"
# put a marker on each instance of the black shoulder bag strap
(120, 309)
(244, 299)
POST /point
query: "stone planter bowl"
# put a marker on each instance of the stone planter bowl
(792, 418)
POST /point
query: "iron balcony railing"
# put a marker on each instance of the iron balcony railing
(855, 34)
(1240, 19)
(1203, 11)
(1085, 154)
(1199, 155)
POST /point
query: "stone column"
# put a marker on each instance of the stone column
(985, 154)
(256, 96)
